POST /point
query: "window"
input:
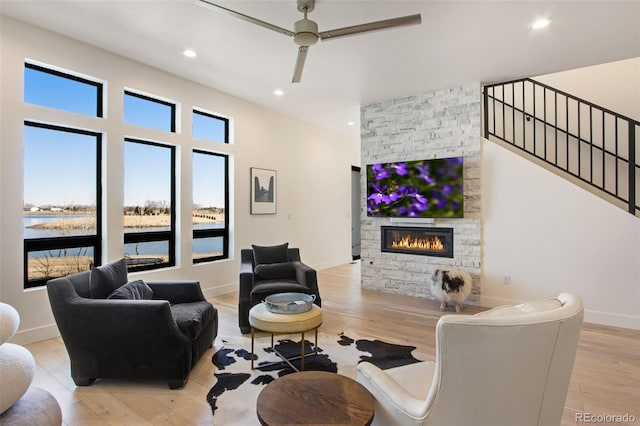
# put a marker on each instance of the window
(62, 193)
(55, 89)
(63, 171)
(149, 200)
(210, 207)
(210, 127)
(146, 111)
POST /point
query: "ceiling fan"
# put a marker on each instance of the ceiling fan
(305, 31)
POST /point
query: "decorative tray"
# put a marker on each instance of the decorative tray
(289, 303)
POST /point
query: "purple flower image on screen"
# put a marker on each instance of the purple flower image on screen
(400, 169)
(425, 188)
(381, 172)
(379, 195)
(424, 174)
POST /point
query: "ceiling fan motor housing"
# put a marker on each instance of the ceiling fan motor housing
(306, 32)
(306, 5)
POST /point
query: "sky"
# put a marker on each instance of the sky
(60, 167)
(52, 176)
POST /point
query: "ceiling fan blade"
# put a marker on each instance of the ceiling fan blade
(297, 72)
(247, 18)
(371, 26)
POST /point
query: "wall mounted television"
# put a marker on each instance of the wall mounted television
(416, 189)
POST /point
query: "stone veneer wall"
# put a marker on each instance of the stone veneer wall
(438, 124)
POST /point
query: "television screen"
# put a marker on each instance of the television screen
(426, 188)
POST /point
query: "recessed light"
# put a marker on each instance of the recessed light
(278, 92)
(540, 23)
(351, 123)
(190, 53)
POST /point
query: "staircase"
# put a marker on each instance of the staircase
(588, 144)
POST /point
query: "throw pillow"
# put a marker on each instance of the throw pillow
(104, 279)
(270, 254)
(135, 290)
(272, 271)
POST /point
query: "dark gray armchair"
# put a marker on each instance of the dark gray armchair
(146, 330)
(269, 270)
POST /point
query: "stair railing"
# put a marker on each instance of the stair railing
(591, 143)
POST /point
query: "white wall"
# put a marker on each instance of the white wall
(551, 236)
(615, 85)
(313, 170)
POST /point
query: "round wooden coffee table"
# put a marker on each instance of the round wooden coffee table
(315, 397)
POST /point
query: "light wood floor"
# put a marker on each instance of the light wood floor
(606, 375)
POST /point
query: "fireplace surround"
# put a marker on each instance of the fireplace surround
(436, 124)
(424, 241)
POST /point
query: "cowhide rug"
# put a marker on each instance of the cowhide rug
(235, 392)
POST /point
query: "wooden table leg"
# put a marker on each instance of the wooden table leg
(316, 343)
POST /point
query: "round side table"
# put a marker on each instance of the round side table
(260, 318)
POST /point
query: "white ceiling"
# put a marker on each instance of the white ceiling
(458, 42)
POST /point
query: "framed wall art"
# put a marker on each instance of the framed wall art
(263, 191)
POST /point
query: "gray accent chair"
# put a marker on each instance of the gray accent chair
(161, 336)
(269, 270)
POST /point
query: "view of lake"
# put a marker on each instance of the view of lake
(205, 245)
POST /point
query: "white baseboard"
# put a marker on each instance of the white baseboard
(220, 290)
(614, 320)
(595, 317)
(492, 302)
(32, 335)
(330, 264)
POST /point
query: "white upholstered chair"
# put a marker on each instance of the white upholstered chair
(507, 366)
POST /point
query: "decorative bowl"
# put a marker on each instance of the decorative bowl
(289, 303)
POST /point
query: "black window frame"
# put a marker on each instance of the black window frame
(98, 86)
(217, 232)
(216, 117)
(154, 236)
(172, 105)
(55, 243)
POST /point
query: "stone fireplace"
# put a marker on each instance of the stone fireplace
(439, 124)
(417, 240)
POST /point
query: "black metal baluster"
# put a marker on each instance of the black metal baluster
(632, 168)
(486, 112)
(579, 143)
(513, 113)
(555, 126)
(616, 157)
(524, 118)
(493, 92)
(534, 119)
(604, 152)
(544, 116)
(566, 139)
(502, 103)
(590, 144)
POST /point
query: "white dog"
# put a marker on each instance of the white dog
(451, 286)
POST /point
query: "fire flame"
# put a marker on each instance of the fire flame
(411, 243)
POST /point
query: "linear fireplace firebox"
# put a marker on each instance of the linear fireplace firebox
(418, 240)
